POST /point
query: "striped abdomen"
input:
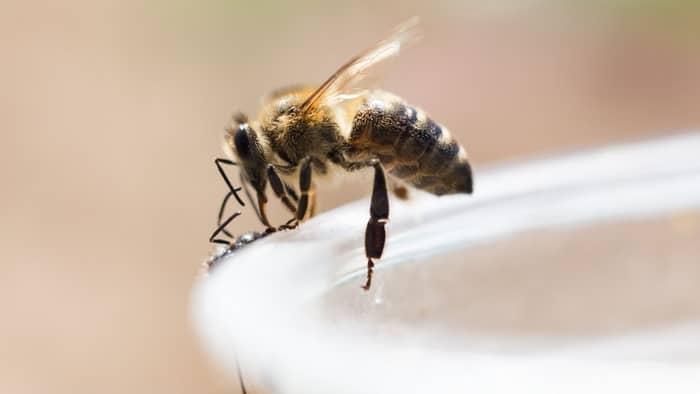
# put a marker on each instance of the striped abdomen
(410, 145)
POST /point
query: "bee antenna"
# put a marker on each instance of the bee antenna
(220, 217)
(218, 162)
(221, 229)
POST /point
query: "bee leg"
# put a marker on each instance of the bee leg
(375, 234)
(262, 203)
(291, 192)
(279, 188)
(262, 200)
(304, 187)
(222, 229)
(233, 191)
(312, 202)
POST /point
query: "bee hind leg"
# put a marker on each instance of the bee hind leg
(375, 234)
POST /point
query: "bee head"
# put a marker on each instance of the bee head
(244, 143)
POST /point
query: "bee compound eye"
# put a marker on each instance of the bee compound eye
(242, 141)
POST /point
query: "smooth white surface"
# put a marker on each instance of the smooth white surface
(261, 303)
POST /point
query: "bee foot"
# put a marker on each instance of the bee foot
(290, 225)
(370, 271)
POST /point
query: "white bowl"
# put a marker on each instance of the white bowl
(577, 273)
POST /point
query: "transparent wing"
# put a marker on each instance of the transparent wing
(339, 85)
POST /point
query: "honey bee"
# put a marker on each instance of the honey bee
(307, 133)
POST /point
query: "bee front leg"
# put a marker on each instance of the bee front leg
(262, 200)
(262, 211)
(375, 234)
(304, 189)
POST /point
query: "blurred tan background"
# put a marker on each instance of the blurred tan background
(112, 113)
